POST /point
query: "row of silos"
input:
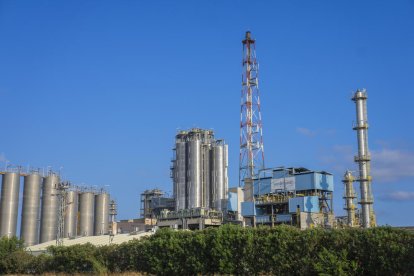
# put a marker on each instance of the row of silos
(199, 170)
(39, 214)
(86, 214)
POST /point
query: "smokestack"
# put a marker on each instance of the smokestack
(363, 159)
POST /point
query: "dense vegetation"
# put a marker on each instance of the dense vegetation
(230, 250)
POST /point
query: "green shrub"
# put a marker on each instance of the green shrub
(282, 250)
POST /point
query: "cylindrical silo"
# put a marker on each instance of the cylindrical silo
(48, 218)
(71, 215)
(218, 176)
(9, 204)
(86, 213)
(205, 175)
(29, 228)
(101, 214)
(193, 174)
(225, 170)
(180, 175)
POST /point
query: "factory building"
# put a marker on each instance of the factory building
(295, 196)
(153, 201)
(85, 212)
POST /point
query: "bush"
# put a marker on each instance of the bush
(230, 249)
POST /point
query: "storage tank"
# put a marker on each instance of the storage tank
(225, 170)
(101, 226)
(218, 176)
(29, 229)
(205, 175)
(9, 203)
(86, 213)
(193, 174)
(179, 174)
(48, 218)
(71, 215)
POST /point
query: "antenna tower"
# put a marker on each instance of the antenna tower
(251, 134)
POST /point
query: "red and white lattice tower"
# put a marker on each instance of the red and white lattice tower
(251, 136)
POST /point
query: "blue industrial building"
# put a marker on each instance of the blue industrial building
(288, 195)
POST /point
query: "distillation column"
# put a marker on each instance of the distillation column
(180, 172)
(349, 198)
(194, 173)
(218, 176)
(363, 159)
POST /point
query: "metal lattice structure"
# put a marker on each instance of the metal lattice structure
(62, 192)
(251, 134)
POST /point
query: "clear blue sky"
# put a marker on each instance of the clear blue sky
(100, 88)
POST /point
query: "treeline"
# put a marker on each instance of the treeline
(229, 249)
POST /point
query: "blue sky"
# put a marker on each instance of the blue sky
(101, 87)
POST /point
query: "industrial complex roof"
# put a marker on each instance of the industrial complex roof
(95, 240)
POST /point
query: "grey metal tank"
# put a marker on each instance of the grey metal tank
(194, 174)
(205, 176)
(86, 213)
(71, 215)
(180, 175)
(225, 171)
(9, 203)
(48, 218)
(218, 176)
(29, 228)
(101, 226)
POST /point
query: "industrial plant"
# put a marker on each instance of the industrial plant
(53, 210)
(265, 195)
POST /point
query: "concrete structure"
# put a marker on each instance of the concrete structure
(234, 202)
(135, 225)
(146, 202)
(191, 219)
